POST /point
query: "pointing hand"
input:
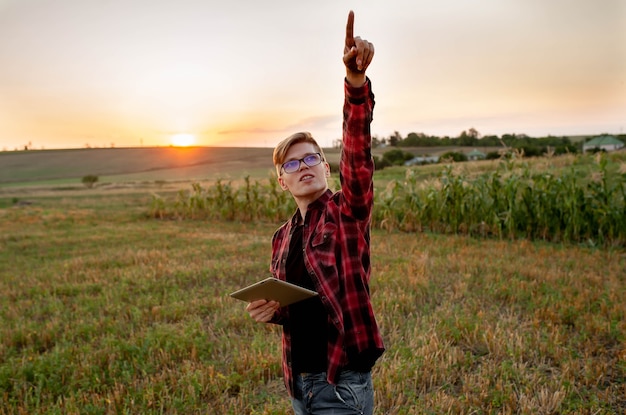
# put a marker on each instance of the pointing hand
(357, 54)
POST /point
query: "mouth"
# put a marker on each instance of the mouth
(306, 177)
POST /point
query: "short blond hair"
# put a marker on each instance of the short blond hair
(281, 149)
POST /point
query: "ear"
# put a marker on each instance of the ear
(282, 184)
(327, 168)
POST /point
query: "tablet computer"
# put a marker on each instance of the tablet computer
(273, 289)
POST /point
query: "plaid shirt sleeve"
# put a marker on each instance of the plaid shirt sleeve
(343, 265)
(356, 168)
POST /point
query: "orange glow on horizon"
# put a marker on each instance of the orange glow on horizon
(183, 140)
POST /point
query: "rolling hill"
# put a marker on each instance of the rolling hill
(153, 163)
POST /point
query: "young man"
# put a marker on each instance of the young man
(331, 341)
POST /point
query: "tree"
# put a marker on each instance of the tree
(375, 141)
(395, 139)
(419, 140)
(472, 132)
(396, 157)
(455, 156)
(490, 141)
(89, 180)
(468, 139)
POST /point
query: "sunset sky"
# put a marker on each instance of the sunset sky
(249, 73)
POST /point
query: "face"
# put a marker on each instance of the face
(307, 182)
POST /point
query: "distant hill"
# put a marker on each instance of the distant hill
(157, 163)
(150, 163)
(154, 163)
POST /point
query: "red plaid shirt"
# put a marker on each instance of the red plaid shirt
(336, 240)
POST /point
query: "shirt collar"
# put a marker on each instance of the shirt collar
(318, 204)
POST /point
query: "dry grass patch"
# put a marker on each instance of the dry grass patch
(106, 311)
(499, 327)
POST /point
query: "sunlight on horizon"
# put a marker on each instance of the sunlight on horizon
(183, 140)
(181, 80)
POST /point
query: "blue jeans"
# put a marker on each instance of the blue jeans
(353, 394)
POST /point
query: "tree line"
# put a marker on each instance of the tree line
(508, 144)
(472, 138)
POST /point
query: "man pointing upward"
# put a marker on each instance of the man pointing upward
(331, 341)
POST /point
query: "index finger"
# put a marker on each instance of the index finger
(350, 29)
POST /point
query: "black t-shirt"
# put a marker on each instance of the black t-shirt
(308, 319)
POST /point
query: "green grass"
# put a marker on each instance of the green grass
(105, 311)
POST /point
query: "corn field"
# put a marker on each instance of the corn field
(582, 202)
(252, 201)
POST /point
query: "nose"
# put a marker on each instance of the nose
(303, 165)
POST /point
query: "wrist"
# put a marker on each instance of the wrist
(356, 80)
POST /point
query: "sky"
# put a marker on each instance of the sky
(128, 73)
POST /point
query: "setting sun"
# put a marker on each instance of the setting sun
(183, 140)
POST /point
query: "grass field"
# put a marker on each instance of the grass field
(105, 311)
(131, 164)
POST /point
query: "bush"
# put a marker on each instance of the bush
(396, 157)
(454, 156)
(380, 163)
(89, 180)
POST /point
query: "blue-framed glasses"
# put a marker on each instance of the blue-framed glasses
(293, 166)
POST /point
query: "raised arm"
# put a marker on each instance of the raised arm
(356, 167)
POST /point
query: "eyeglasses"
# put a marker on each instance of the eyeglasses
(293, 166)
